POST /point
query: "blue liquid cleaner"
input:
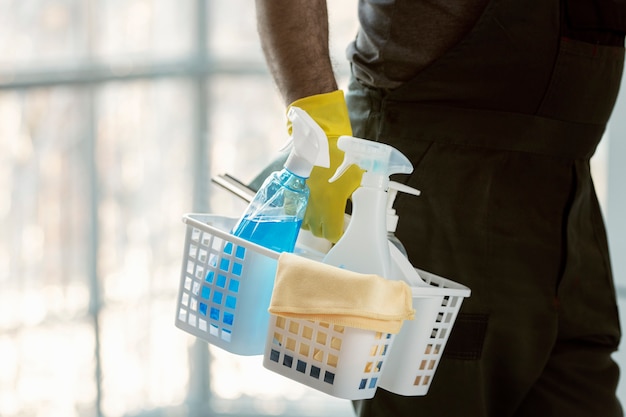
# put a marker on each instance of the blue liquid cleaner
(276, 233)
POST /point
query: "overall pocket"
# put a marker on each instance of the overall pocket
(584, 84)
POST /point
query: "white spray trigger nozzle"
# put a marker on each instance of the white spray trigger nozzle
(392, 192)
(378, 160)
(309, 144)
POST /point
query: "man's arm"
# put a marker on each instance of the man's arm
(294, 37)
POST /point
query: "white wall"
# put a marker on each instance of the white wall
(616, 215)
(616, 197)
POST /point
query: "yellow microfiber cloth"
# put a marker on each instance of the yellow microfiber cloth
(306, 289)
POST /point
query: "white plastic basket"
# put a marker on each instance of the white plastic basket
(351, 363)
(225, 289)
(344, 362)
(419, 345)
(225, 286)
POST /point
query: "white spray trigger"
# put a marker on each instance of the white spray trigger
(309, 144)
(378, 160)
(348, 160)
(392, 192)
(393, 189)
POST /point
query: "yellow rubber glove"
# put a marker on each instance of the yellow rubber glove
(327, 202)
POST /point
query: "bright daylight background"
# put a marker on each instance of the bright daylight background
(114, 114)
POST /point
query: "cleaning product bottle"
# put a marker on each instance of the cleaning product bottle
(364, 246)
(274, 216)
(392, 217)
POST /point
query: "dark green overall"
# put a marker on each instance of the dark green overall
(500, 131)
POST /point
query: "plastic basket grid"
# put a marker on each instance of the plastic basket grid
(436, 342)
(351, 363)
(421, 342)
(225, 287)
(341, 361)
(221, 301)
(210, 286)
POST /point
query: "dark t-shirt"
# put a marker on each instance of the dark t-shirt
(398, 38)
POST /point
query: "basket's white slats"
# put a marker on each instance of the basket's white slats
(340, 361)
(226, 286)
(221, 226)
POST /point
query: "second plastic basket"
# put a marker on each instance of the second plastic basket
(418, 347)
(351, 363)
(225, 286)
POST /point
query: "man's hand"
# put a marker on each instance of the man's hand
(325, 211)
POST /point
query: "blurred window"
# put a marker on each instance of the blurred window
(114, 115)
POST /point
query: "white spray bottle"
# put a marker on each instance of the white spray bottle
(364, 246)
(274, 216)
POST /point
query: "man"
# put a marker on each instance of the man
(499, 105)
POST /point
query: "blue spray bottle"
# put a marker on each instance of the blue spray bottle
(274, 216)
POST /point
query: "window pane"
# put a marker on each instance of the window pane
(42, 31)
(144, 148)
(248, 124)
(232, 31)
(46, 338)
(44, 206)
(143, 28)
